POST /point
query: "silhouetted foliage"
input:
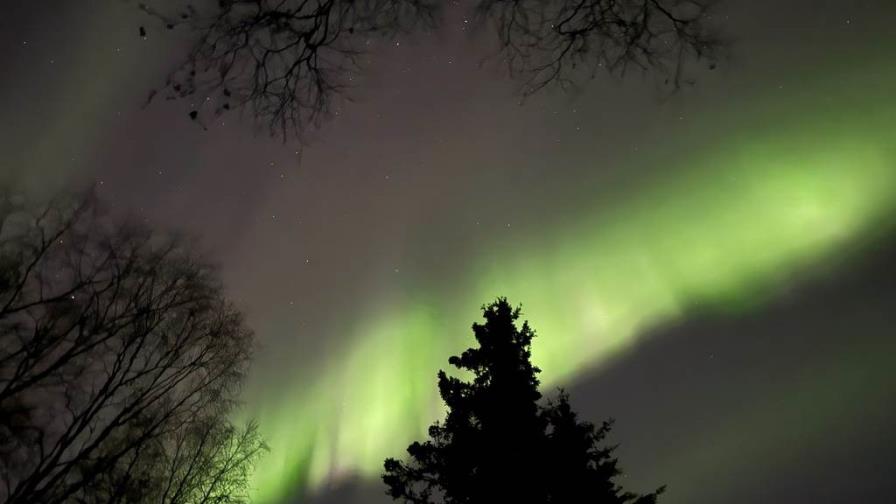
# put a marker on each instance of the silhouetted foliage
(287, 61)
(119, 362)
(558, 42)
(497, 443)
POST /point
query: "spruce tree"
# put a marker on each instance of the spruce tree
(498, 443)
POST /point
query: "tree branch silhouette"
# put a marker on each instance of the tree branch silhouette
(286, 61)
(119, 362)
(562, 42)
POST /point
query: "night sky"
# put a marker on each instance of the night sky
(715, 269)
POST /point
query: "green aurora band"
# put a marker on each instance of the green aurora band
(800, 185)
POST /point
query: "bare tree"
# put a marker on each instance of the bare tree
(119, 362)
(286, 60)
(559, 42)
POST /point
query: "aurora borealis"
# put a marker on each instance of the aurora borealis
(712, 268)
(722, 234)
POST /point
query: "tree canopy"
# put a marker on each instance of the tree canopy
(498, 441)
(286, 62)
(120, 361)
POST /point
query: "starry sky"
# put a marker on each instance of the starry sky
(714, 269)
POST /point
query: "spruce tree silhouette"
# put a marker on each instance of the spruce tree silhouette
(497, 443)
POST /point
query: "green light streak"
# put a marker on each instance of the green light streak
(725, 233)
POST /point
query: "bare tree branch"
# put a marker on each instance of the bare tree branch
(118, 352)
(561, 42)
(286, 61)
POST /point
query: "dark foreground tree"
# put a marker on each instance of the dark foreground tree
(498, 443)
(120, 361)
(287, 61)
